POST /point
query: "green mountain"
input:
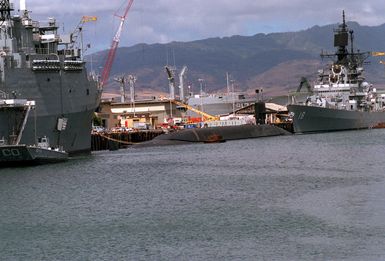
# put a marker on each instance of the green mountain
(274, 62)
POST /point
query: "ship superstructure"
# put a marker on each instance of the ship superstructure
(220, 104)
(341, 99)
(37, 64)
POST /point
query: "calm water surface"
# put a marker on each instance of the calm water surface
(303, 197)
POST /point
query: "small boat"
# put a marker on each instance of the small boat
(214, 138)
(12, 153)
(21, 155)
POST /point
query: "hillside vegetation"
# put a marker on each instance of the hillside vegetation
(274, 62)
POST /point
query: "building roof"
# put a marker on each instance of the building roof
(270, 107)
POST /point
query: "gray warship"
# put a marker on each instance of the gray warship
(341, 99)
(219, 104)
(12, 152)
(36, 63)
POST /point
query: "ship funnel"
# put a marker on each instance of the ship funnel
(22, 5)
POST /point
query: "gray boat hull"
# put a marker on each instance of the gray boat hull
(215, 134)
(308, 119)
(21, 155)
(58, 94)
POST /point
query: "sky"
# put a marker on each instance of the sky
(164, 21)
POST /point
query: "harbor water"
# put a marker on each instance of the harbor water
(299, 197)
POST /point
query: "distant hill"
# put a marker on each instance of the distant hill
(274, 62)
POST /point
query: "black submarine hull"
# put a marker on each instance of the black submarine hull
(215, 134)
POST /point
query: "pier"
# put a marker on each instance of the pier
(119, 140)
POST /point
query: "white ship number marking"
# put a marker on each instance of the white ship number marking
(11, 152)
(302, 115)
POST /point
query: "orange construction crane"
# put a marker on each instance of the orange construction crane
(115, 42)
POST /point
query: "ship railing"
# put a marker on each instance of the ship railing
(27, 50)
(93, 76)
(36, 24)
(49, 25)
(3, 95)
(70, 53)
(45, 51)
(42, 51)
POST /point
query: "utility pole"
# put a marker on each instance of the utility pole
(132, 81)
(201, 94)
(121, 82)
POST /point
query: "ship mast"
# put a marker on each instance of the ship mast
(351, 60)
(23, 7)
(341, 41)
(5, 10)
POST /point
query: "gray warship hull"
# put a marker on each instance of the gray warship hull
(67, 95)
(36, 63)
(311, 119)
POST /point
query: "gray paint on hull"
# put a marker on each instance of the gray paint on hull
(226, 133)
(76, 138)
(317, 119)
(19, 155)
(57, 94)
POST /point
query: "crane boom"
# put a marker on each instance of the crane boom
(78, 30)
(204, 114)
(181, 83)
(115, 42)
(171, 82)
(377, 53)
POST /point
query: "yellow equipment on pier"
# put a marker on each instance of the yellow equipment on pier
(207, 116)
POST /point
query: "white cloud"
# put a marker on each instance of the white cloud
(162, 21)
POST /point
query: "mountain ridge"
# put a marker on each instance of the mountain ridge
(274, 61)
